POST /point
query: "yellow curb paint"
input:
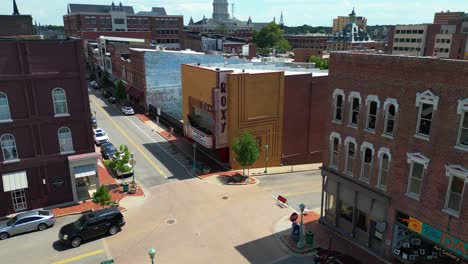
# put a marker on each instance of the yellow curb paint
(89, 254)
(128, 137)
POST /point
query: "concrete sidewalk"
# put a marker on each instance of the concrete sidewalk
(185, 146)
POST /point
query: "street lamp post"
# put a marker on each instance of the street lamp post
(133, 167)
(266, 158)
(300, 243)
(151, 253)
(194, 169)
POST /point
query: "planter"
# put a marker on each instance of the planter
(206, 170)
(237, 178)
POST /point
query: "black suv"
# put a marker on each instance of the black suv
(91, 225)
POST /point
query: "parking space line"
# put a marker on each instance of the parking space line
(128, 138)
(89, 254)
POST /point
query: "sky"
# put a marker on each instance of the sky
(295, 12)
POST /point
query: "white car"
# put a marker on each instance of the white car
(93, 84)
(127, 110)
(98, 130)
(100, 138)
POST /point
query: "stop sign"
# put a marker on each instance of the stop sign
(293, 217)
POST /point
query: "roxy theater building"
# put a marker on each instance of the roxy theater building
(48, 155)
(280, 106)
(396, 165)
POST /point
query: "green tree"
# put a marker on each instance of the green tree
(319, 62)
(119, 163)
(283, 46)
(120, 92)
(270, 36)
(246, 150)
(102, 196)
(104, 79)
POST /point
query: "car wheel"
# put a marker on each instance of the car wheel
(42, 227)
(76, 242)
(4, 236)
(113, 230)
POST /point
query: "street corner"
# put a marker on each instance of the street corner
(229, 178)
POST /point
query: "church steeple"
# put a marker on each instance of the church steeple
(249, 22)
(15, 9)
(191, 21)
(352, 17)
(281, 23)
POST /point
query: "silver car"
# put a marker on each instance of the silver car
(26, 222)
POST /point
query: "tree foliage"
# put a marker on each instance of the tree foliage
(271, 36)
(102, 196)
(304, 29)
(120, 161)
(120, 92)
(319, 62)
(246, 149)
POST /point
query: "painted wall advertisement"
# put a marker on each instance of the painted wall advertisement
(220, 100)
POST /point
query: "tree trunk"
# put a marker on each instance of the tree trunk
(243, 171)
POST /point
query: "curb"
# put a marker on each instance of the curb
(74, 213)
(286, 172)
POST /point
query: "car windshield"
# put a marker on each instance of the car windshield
(80, 222)
(100, 134)
(12, 221)
(111, 149)
(128, 108)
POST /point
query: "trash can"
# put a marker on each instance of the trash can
(125, 186)
(309, 237)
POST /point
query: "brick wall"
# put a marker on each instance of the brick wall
(401, 78)
(15, 25)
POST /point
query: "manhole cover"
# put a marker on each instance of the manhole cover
(225, 197)
(170, 222)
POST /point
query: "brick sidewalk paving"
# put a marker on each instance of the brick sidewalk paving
(327, 239)
(116, 192)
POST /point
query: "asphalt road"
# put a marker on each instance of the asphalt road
(156, 162)
(297, 188)
(44, 247)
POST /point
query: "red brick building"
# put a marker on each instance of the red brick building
(48, 156)
(91, 21)
(397, 159)
(305, 46)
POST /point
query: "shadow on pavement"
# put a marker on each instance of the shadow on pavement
(176, 170)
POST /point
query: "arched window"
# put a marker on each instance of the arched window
(391, 108)
(338, 98)
(384, 168)
(372, 103)
(65, 140)
(351, 145)
(8, 147)
(335, 142)
(4, 108)
(367, 153)
(60, 101)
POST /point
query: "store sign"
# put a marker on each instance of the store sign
(220, 98)
(58, 183)
(201, 105)
(435, 235)
(200, 137)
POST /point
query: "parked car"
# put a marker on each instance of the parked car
(98, 130)
(127, 110)
(100, 138)
(91, 225)
(323, 255)
(27, 221)
(108, 150)
(106, 94)
(342, 259)
(112, 100)
(93, 121)
(94, 84)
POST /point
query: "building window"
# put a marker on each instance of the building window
(346, 211)
(427, 103)
(350, 155)
(4, 108)
(384, 168)
(458, 176)
(372, 103)
(418, 165)
(60, 102)
(8, 147)
(361, 221)
(367, 152)
(391, 108)
(65, 140)
(338, 96)
(335, 141)
(462, 139)
(19, 200)
(355, 103)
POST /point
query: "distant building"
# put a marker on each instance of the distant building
(446, 38)
(48, 155)
(341, 21)
(211, 43)
(306, 45)
(222, 23)
(279, 104)
(15, 24)
(88, 22)
(351, 36)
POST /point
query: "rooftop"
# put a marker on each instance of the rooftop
(122, 39)
(255, 68)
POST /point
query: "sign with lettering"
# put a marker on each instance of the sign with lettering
(220, 100)
(58, 183)
(201, 105)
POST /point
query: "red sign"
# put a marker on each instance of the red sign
(282, 199)
(293, 217)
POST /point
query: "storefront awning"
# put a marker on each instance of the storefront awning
(14, 181)
(85, 170)
(137, 93)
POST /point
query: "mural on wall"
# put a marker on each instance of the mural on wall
(163, 77)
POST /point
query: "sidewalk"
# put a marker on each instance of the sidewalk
(105, 178)
(185, 146)
(323, 238)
